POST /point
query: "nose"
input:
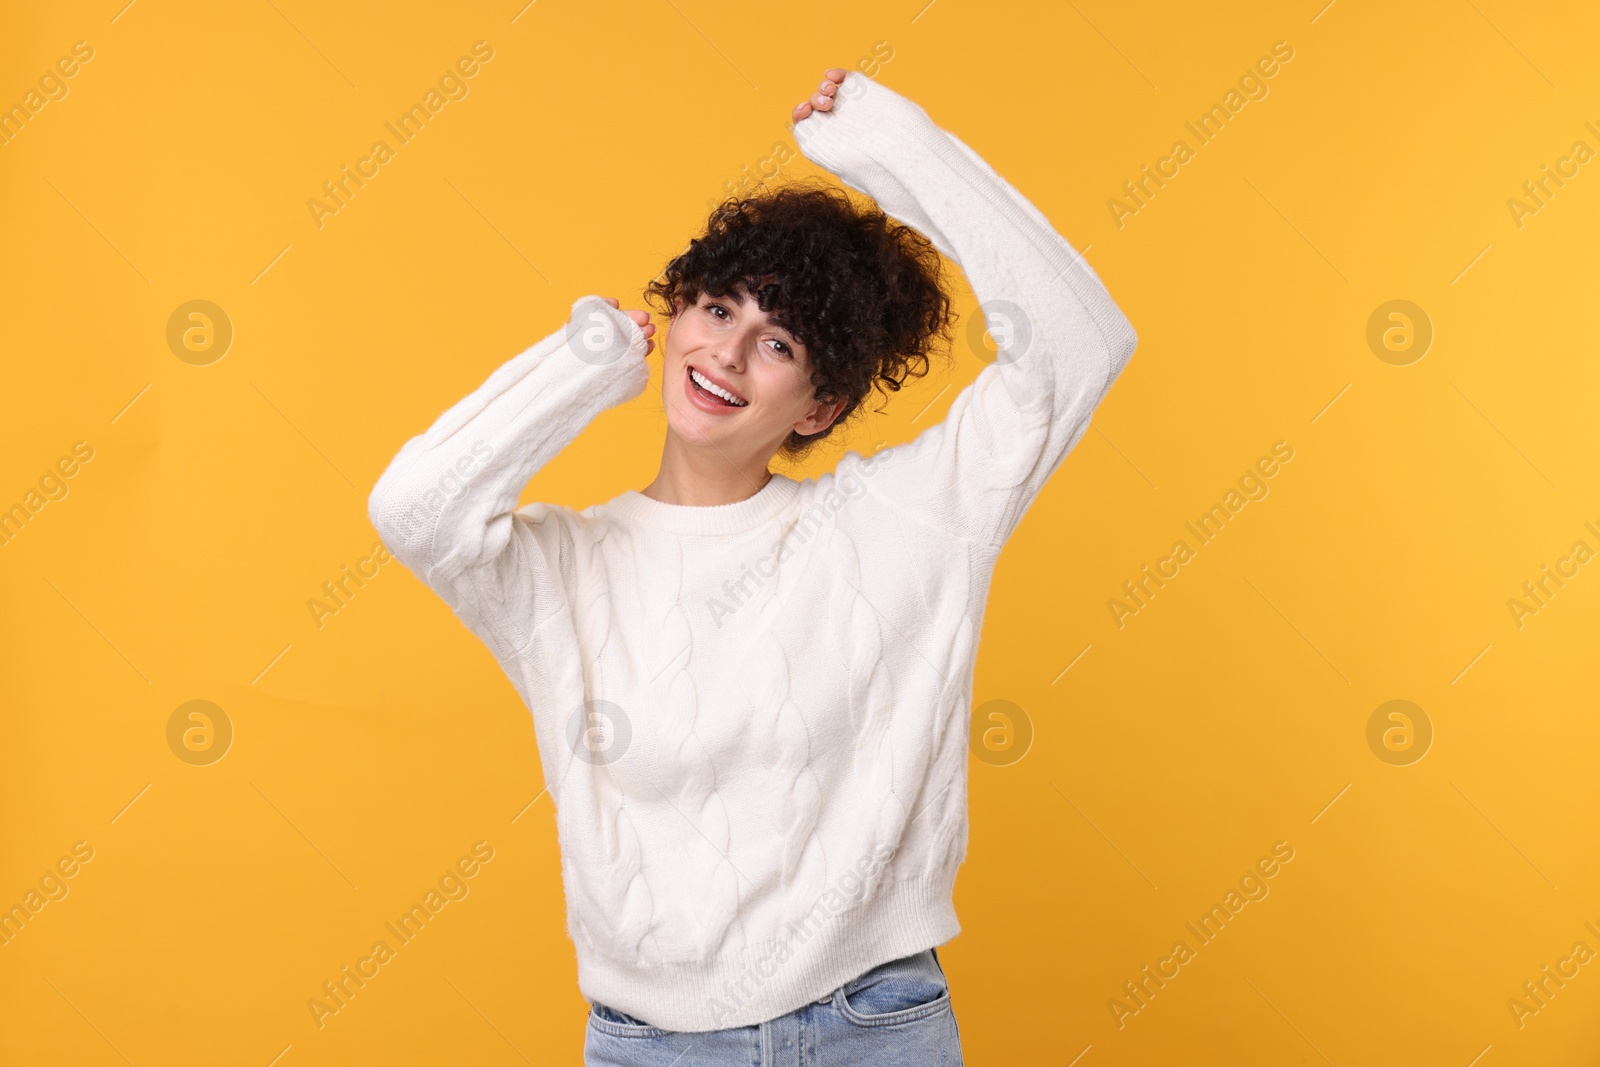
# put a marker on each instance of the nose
(730, 352)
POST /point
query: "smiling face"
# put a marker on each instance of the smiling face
(735, 381)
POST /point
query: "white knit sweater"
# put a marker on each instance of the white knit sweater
(753, 717)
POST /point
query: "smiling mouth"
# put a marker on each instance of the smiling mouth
(711, 392)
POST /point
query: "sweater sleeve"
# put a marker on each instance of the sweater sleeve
(446, 506)
(1061, 339)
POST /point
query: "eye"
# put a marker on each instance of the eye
(783, 347)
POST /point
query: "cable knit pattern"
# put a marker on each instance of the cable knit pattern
(858, 641)
(945, 811)
(783, 806)
(779, 734)
(617, 907)
(685, 775)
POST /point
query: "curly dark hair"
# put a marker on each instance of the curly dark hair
(860, 290)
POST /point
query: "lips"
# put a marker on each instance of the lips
(707, 399)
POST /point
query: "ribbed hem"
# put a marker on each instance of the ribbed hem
(752, 986)
(711, 520)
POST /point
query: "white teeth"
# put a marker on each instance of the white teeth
(706, 384)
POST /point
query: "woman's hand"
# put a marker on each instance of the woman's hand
(822, 99)
(647, 327)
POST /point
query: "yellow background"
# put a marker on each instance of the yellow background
(1225, 716)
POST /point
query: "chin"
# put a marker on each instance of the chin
(688, 428)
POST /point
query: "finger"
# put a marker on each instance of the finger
(821, 103)
(610, 300)
(828, 88)
(836, 73)
(802, 110)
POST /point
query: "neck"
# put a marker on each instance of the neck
(703, 476)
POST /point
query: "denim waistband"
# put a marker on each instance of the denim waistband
(925, 963)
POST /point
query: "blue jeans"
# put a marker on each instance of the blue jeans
(896, 1015)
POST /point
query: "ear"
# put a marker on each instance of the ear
(821, 416)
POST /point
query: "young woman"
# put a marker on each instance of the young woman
(750, 693)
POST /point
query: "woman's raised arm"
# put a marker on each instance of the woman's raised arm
(446, 504)
(1061, 339)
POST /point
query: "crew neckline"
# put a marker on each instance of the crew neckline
(708, 519)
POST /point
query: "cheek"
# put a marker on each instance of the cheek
(687, 336)
(788, 384)
(676, 343)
